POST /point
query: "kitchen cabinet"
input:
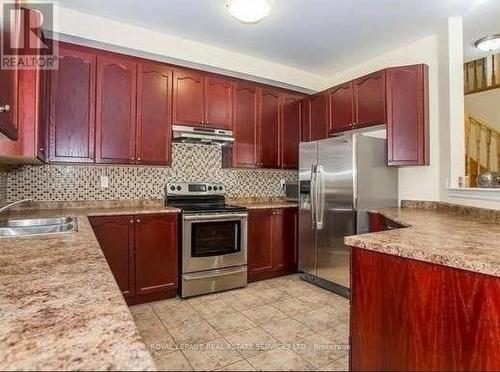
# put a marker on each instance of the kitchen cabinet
(154, 116)
(189, 97)
(244, 151)
(341, 108)
(404, 310)
(116, 238)
(269, 128)
(155, 254)
(369, 100)
(115, 109)
(290, 131)
(272, 243)
(305, 120)
(72, 106)
(408, 115)
(141, 251)
(218, 102)
(319, 117)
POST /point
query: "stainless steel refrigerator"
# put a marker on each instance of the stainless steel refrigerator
(340, 180)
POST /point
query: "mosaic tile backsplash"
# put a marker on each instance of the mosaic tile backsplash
(190, 163)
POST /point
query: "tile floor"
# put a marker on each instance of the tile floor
(278, 324)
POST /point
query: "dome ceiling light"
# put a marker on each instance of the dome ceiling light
(249, 11)
(488, 43)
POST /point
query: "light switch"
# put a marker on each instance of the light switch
(104, 182)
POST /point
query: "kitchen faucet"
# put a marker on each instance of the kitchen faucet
(10, 205)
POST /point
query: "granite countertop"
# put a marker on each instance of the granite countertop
(60, 306)
(262, 203)
(436, 235)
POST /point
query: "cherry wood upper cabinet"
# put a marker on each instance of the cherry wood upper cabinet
(305, 120)
(189, 97)
(246, 114)
(116, 109)
(154, 116)
(319, 116)
(341, 107)
(407, 115)
(218, 102)
(116, 238)
(369, 98)
(72, 106)
(260, 244)
(269, 128)
(290, 131)
(156, 258)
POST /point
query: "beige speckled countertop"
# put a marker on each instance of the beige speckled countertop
(262, 203)
(439, 236)
(60, 306)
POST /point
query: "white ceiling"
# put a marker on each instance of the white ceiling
(483, 19)
(317, 36)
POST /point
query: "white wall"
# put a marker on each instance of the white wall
(485, 106)
(414, 182)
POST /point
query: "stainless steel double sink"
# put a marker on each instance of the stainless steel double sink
(40, 226)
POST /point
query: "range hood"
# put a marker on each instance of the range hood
(203, 136)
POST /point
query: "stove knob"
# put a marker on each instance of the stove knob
(209, 188)
(220, 188)
(179, 188)
(172, 188)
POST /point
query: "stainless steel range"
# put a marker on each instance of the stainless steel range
(214, 238)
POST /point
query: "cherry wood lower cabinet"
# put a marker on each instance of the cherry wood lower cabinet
(141, 251)
(272, 243)
(408, 315)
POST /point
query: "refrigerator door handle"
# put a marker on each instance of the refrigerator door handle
(313, 194)
(320, 197)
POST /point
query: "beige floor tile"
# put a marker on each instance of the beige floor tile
(341, 364)
(272, 295)
(155, 336)
(144, 311)
(212, 355)
(171, 303)
(319, 350)
(214, 308)
(322, 318)
(280, 360)
(287, 330)
(339, 333)
(293, 306)
(175, 361)
(252, 342)
(193, 333)
(227, 324)
(178, 316)
(264, 314)
(244, 301)
(242, 365)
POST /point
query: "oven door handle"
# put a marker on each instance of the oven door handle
(212, 273)
(216, 217)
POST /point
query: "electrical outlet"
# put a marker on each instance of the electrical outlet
(282, 183)
(104, 182)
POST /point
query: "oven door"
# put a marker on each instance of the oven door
(214, 241)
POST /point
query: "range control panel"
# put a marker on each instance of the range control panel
(195, 189)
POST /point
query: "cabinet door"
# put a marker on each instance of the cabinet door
(290, 132)
(305, 122)
(154, 116)
(285, 239)
(269, 129)
(72, 106)
(319, 117)
(369, 95)
(188, 98)
(156, 253)
(8, 96)
(218, 102)
(341, 108)
(116, 109)
(408, 115)
(246, 113)
(116, 238)
(260, 244)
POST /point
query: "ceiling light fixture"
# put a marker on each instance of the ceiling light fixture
(488, 43)
(249, 11)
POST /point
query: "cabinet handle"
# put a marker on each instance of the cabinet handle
(131, 221)
(138, 220)
(5, 109)
(133, 157)
(138, 159)
(41, 149)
